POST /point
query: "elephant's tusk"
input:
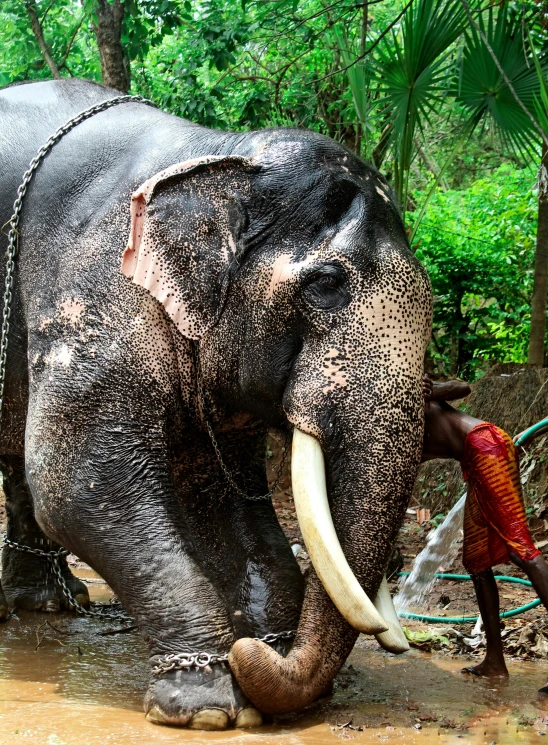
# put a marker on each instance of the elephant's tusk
(394, 639)
(322, 544)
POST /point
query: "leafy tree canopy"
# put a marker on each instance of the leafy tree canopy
(447, 97)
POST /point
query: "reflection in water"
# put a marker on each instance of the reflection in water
(82, 687)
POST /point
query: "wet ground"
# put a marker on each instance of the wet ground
(75, 683)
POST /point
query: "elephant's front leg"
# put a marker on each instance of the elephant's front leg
(113, 506)
(252, 561)
(27, 580)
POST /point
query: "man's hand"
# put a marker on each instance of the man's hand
(451, 390)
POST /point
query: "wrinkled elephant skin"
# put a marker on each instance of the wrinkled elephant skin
(276, 263)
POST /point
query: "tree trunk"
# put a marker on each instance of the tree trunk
(108, 32)
(365, 21)
(39, 34)
(538, 305)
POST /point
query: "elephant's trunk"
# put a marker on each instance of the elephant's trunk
(324, 640)
(336, 608)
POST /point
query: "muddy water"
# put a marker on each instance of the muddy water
(74, 685)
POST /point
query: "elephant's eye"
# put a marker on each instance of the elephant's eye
(326, 288)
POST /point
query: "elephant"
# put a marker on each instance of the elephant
(179, 290)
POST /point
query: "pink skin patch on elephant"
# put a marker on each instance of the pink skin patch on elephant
(44, 323)
(392, 321)
(334, 365)
(139, 262)
(284, 270)
(71, 311)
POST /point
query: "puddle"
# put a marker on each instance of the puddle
(84, 688)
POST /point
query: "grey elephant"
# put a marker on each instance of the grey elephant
(178, 291)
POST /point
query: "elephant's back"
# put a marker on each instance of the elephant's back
(29, 114)
(88, 174)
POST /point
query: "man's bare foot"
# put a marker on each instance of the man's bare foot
(487, 669)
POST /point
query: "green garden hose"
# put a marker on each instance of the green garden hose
(471, 619)
(533, 431)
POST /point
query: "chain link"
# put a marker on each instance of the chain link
(178, 661)
(13, 235)
(54, 558)
(200, 660)
(224, 468)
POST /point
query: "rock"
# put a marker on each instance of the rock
(541, 647)
(527, 636)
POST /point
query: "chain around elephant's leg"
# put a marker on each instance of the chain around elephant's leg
(27, 580)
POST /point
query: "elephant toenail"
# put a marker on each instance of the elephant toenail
(248, 718)
(209, 719)
(156, 716)
(51, 606)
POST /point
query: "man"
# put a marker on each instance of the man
(495, 524)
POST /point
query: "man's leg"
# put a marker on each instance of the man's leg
(537, 571)
(488, 601)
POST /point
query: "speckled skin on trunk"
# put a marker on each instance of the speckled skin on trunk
(282, 259)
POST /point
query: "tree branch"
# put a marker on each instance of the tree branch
(38, 33)
(47, 10)
(371, 46)
(71, 41)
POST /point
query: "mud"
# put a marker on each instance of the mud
(63, 681)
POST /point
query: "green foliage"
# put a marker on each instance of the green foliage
(69, 40)
(428, 102)
(425, 638)
(477, 245)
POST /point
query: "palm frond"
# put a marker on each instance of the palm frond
(482, 90)
(414, 69)
(356, 74)
(541, 103)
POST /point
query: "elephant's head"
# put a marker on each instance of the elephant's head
(289, 263)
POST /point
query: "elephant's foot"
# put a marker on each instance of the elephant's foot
(29, 584)
(208, 699)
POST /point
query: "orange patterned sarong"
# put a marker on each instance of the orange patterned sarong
(494, 516)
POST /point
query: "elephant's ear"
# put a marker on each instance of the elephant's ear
(185, 237)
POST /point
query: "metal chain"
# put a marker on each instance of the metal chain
(54, 558)
(199, 660)
(224, 468)
(178, 661)
(13, 234)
